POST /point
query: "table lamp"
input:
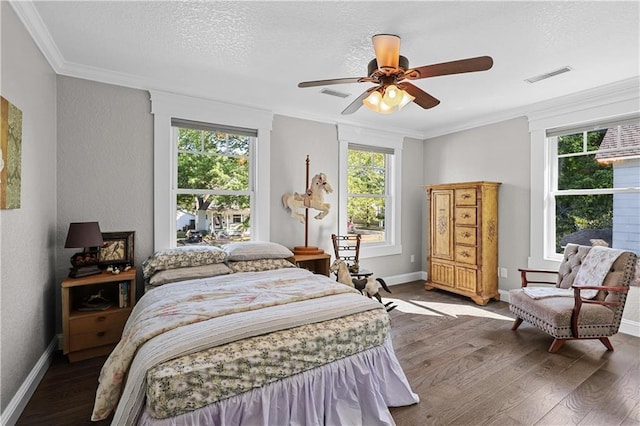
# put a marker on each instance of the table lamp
(85, 235)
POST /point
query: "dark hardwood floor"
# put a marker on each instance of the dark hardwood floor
(463, 360)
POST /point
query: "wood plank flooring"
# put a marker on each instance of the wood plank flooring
(463, 361)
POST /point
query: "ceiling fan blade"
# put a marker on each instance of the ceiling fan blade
(387, 48)
(422, 98)
(356, 104)
(332, 81)
(481, 63)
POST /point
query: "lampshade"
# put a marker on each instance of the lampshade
(83, 234)
(387, 49)
(406, 98)
(392, 95)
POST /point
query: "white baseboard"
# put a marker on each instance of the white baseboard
(12, 412)
(630, 327)
(405, 278)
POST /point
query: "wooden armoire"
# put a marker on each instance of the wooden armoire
(463, 239)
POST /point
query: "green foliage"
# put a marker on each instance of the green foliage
(578, 212)
(212, 161)
(366, 176)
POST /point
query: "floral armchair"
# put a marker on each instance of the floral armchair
(585, 305)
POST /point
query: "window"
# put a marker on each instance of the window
(213, 182)
(240, 139)
(370, 189)
(595, 186)
(368, 192)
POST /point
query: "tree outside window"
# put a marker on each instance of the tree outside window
(213, 193)
(367, 198)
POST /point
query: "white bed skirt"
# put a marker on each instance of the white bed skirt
(353, 391)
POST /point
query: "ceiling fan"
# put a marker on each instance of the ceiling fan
(389, 71)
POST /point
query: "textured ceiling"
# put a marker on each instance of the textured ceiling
(255, 53)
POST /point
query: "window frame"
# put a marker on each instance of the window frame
(553, 192)
(164, 107)
(608, 103)
(393, 182)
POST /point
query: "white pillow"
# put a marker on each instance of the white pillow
(182, 274)
(254, 250)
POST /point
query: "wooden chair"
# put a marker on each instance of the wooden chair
(575, 318)
(347, 248)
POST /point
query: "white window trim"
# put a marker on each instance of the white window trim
(164, 106)
(604, 103)
(375, 138)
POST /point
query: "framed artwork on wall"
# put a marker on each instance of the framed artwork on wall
(10, 154)
(117, 249)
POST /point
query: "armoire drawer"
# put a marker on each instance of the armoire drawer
(465, 197)
(465, 235)
(466, 254)
(465, 216)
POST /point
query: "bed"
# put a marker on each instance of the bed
(240, 336)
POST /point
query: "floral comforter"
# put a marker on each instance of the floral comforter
(187, 317)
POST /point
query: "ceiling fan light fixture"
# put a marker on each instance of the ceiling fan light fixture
(392, 95)
(406, 98)
(387, 49)
(373, 101)
(385, 108)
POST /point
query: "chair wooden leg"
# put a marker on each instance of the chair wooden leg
(605, 341)
(516, 323)
(557, 344)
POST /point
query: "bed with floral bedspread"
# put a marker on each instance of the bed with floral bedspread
(274, 345)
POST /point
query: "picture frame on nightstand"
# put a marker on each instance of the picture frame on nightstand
(117, 249)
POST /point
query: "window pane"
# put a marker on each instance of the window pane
(217, 218)
(366, 173)
(366, 216)
(215, 143)
(581, 218)
(594, 139)
(584, 172)
(189, 140)
(238, 145)
(570, 144)
(197, 171)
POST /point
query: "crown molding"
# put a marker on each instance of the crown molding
(625, 91)
(32, 21)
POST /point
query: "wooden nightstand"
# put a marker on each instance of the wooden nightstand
(316, 263)
(88, 334)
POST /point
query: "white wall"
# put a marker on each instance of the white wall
(105, 164)
(28, 237)
(291, 140)
(499, 153)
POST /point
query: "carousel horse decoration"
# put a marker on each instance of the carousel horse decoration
(369, 286)
(312, 198)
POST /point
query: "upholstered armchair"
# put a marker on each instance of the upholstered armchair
(577, 305)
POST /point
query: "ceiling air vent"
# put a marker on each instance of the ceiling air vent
(549, 74)
(335, 93)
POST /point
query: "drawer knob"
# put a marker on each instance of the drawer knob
(466, 196)
(466, 215)
(100, 319)
(466, 234)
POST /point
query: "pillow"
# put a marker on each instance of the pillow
(259, 265)
(181, 274)
(253, 250)
(182, 257)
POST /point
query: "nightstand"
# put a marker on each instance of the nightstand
(316, 263)
(90, 330)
